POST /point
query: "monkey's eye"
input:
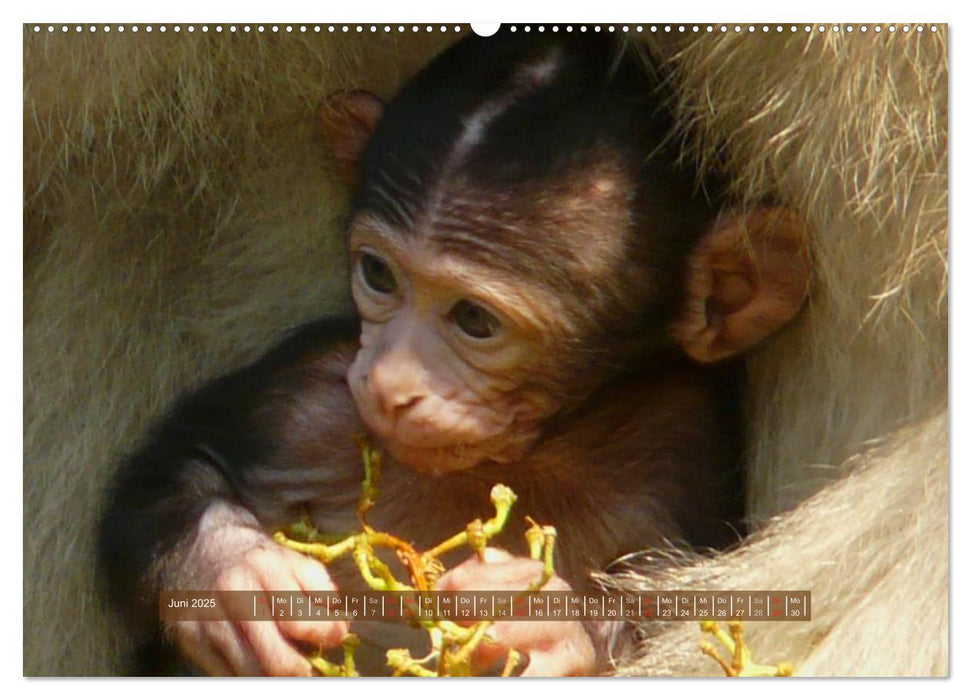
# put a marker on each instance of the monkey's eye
(474, 321)
(376, 274)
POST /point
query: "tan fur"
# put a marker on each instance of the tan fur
(872, 547)
(179, 212)
(851, 130)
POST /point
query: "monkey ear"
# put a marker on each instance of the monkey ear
(347, 120)
(746, 279)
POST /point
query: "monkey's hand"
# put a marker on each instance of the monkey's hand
(555, 648)
(231, 553)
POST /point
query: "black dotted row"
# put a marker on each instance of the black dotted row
(358, 28)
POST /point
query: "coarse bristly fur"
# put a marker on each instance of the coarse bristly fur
(851, 130)
(179, 213)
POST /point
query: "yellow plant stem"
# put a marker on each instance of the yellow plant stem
(742, 665)
(453, 645)
(512, 660)
(464, 654)
(541, 540)
(478, 533)
(322, 552)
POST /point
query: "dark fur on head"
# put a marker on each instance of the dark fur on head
(470, 156)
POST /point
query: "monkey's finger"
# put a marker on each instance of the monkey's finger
(488, 655)
(560, 662)
(511, 576)
(557, 648)
(232, 647)
(210, 662)
(458, 577)
(492, 555)
(499, 571)
(267, 652)
(277, 657)
(503, 636)
(256, 648)
(312, 576)
(526, 636)
(283, 570)
(326, 634)
(199, 651)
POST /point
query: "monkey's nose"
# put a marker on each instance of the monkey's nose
(395, 404)
(395, 390)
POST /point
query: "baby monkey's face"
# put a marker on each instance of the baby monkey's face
(447, 373)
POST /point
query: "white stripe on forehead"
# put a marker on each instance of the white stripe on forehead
(526, 78)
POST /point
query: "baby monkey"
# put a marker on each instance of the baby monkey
(545, 299)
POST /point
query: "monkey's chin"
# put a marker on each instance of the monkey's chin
(437, 461)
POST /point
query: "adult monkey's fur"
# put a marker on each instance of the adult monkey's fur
(852, 131)
(179, 214)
